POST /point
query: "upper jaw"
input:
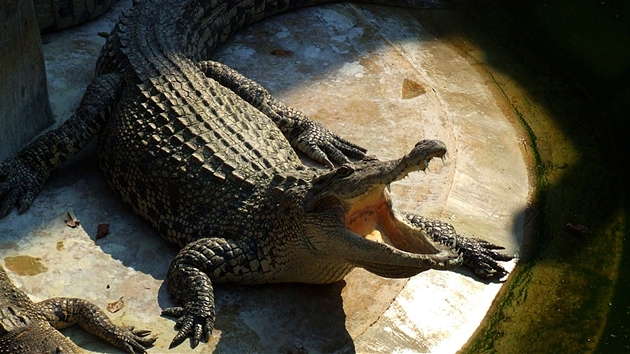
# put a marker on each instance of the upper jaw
(352, 180)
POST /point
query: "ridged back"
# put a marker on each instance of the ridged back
(180, 148)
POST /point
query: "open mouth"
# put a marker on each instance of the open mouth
(385, 243)
(375, 236)
(372, 216)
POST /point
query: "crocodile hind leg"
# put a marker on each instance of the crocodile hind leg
(479, 255)
(65, 312)
(305, 135)
(22, 177)
(191, 275)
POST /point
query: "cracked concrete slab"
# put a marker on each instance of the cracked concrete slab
(375, 76)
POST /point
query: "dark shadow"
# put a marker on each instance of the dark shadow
(132, 240)
(288, 316)
(469, 273)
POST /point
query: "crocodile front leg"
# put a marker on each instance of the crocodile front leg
(305, 135)
(22, 177)
(479, 255)
(65, 312)
(191, 275)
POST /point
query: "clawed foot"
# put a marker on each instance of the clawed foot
(482, 256)
(479, 255)
(19, 184)
(192, 322)
(322, 145)
(131, 340)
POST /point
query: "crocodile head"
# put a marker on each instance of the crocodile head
(352, 217)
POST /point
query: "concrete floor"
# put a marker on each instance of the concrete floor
(371, 74)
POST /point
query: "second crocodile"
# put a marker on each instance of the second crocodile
(27, 327)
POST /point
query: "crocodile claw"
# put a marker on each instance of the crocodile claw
(479, 255)
(322, 145)
(135, 340)
(19, 184)
(195, 326)
(482, 256)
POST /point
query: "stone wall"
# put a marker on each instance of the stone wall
(24, 106)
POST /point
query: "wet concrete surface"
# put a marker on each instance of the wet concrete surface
(375, 76)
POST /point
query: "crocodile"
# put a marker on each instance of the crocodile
(209, 158)
(54, 15)
(29, 327)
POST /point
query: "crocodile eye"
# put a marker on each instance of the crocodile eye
(345, 170)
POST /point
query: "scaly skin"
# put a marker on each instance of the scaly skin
(207, 156)
(27, 327)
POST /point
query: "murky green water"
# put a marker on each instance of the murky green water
(562, 70)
